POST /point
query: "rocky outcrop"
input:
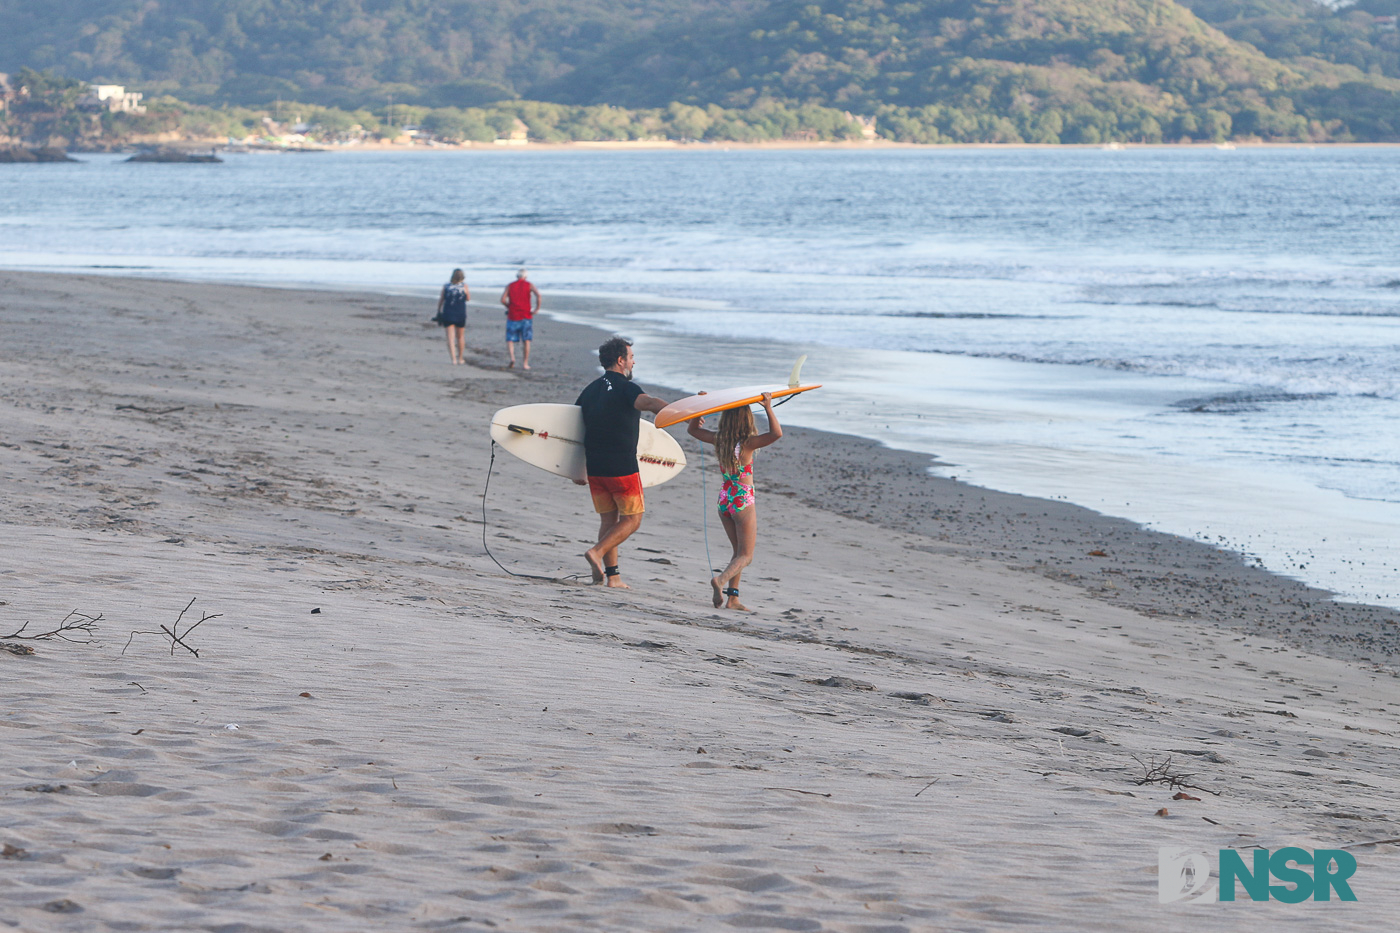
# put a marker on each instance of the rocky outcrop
(21, 154)
(173, 155)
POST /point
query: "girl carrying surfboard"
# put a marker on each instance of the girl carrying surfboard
(735, 443)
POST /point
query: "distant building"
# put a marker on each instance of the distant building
(867, 126)
(1387, 23)
(111, 97)
(10, 92)
(519, 135)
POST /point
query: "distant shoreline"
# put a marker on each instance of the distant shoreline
(696, 146)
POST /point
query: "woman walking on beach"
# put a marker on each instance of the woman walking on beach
(452, 314)
(735, 443)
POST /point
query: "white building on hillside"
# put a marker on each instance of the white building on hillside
(867, 126)
(112, 97)
(519, 135)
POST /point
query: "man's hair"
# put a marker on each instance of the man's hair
(520, 274)
(612, 351)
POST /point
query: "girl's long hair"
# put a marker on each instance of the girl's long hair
(457, 276)
(735, 426)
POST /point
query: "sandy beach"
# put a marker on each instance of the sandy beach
(938, 717)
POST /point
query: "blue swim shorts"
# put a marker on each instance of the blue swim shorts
(517, 331)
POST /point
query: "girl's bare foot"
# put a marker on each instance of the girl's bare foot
(616, 582)
(735, 604)
(719, 592)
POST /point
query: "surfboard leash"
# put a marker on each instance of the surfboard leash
(705, 509)
(485, 489)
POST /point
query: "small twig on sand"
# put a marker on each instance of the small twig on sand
(794, 790)
(150, 411)
(1377, 842)
(928, 785)
(72, 624)
(173, 632)
(1160, 772)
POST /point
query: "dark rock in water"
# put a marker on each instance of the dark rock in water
(173, 155)
(20, 154)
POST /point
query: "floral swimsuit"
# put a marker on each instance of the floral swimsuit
(735, 494)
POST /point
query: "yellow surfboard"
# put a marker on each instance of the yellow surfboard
(695, 406)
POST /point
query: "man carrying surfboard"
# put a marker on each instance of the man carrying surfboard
(612, 413)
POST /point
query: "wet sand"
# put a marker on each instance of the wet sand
(937, 718)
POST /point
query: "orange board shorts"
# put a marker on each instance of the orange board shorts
(620, 494)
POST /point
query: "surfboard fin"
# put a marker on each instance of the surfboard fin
(517, 429)
(793, 379)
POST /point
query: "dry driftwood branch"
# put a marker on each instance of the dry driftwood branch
(1161, 772)
(72, 625)
(173, 632)
(795, 790)
(150, 411)
(1377, 842)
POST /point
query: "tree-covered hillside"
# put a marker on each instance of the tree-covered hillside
(450, 52)
(931, 70)
(1294, 29)
(1036, 70)
(869, 51)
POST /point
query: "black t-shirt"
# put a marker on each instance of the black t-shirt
(610, 425)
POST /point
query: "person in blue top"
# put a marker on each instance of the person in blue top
(452, 314)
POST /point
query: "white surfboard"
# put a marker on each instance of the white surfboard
(550, 437)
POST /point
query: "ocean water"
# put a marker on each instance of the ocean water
(1204, 341)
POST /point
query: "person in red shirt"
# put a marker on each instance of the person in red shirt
(522, 300)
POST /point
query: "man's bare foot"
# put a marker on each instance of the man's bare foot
(719, 591)
(735, 604)
(616, 582)
(595, 565)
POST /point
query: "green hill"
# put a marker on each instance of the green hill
(1297, 29)
(444, 52)
(1044, 71)
(930, 70)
